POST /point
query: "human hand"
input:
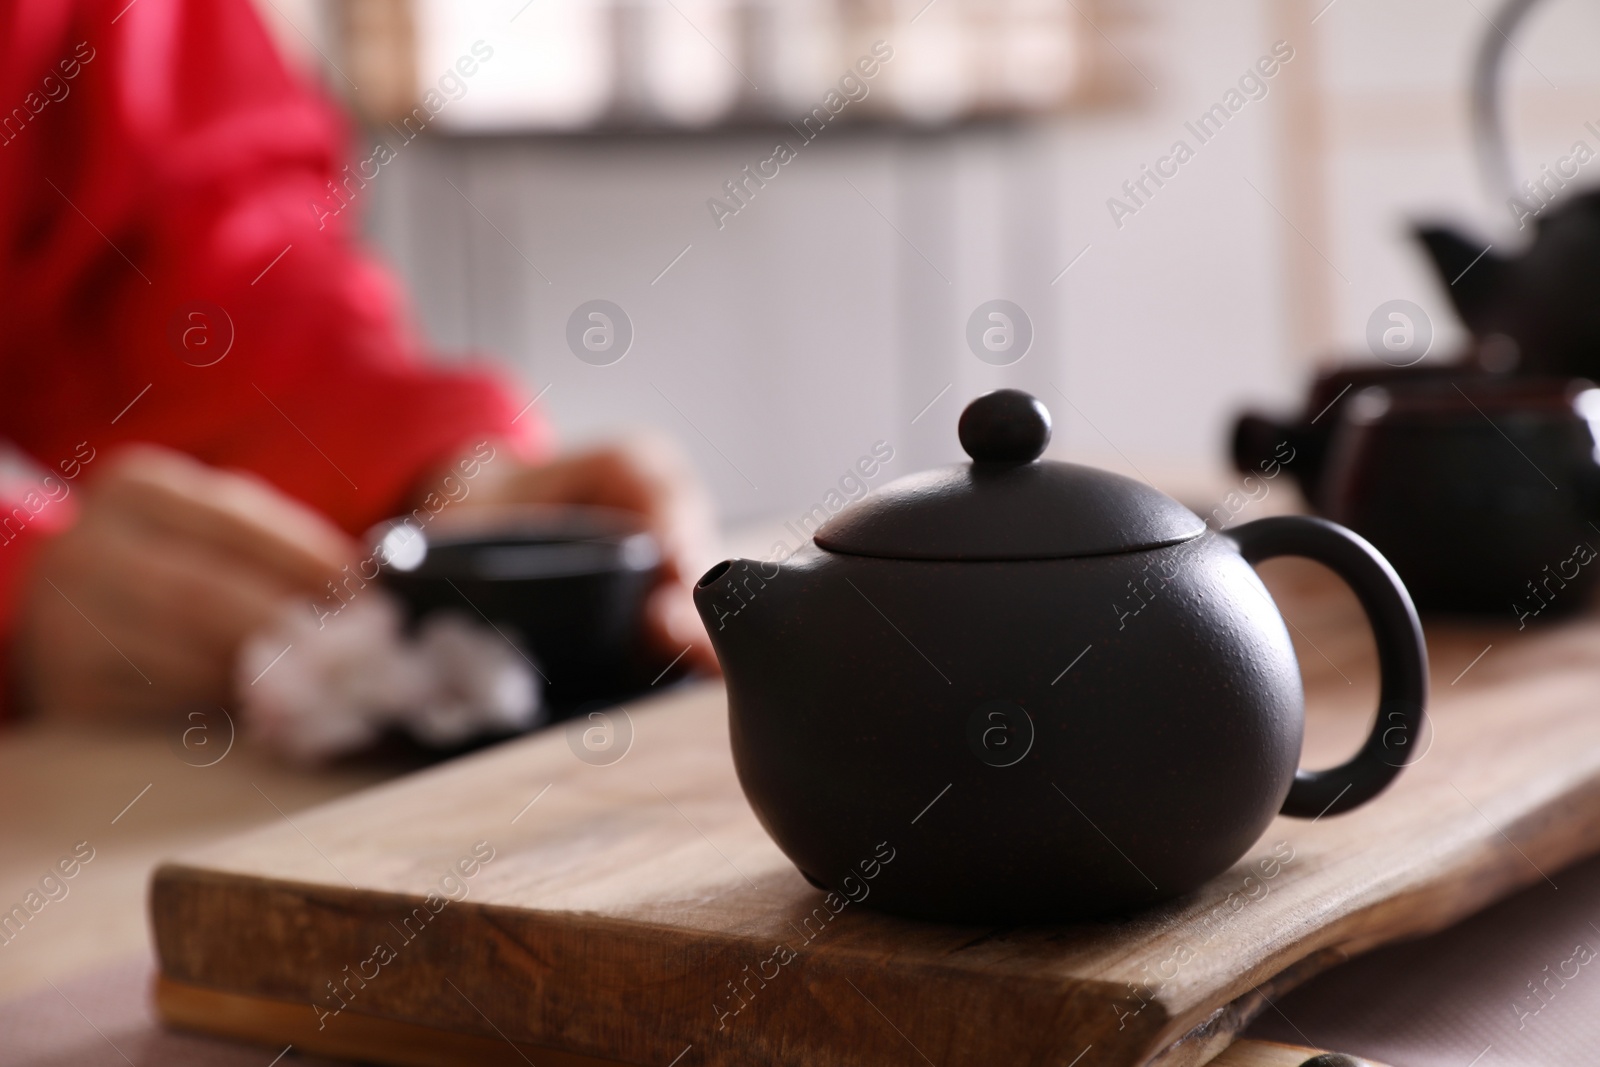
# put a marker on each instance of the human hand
(650, 477)
(140, 607)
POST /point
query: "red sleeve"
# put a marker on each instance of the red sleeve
(161, 157)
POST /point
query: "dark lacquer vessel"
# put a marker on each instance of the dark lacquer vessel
(1048, 691)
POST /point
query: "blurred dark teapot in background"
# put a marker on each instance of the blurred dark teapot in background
(1536, 313)
(1483, 494)
(1482, 490)
(1478, 478)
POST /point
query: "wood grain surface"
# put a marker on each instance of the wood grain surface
(370, 1039)
(633, 912)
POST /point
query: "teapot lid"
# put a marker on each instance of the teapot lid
(1008, 504)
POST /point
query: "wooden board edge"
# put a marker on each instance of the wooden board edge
(1220, 1030)
(393, 1043)
(363, 1038)
(176, 933)
(1205, 1040)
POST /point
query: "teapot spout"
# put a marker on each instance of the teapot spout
(727, 593)
(1472, 275)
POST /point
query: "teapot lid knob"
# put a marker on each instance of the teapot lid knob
(1005, 426)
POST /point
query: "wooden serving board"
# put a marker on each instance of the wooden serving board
(633, 912)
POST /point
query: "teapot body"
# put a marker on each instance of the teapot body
(1030, 741)
(1459, 490)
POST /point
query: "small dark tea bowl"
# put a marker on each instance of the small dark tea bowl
(566, 584)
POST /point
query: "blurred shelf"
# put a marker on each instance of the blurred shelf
(570, 66)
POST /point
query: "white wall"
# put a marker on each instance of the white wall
(809, 327)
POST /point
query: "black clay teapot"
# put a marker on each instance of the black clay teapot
(1018, 690)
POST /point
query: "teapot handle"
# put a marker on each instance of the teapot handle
(1402, 658)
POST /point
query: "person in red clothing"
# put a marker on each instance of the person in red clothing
(221, 386)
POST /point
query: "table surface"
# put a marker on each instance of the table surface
(130, 794)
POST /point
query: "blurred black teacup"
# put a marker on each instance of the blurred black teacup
(566, 584)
